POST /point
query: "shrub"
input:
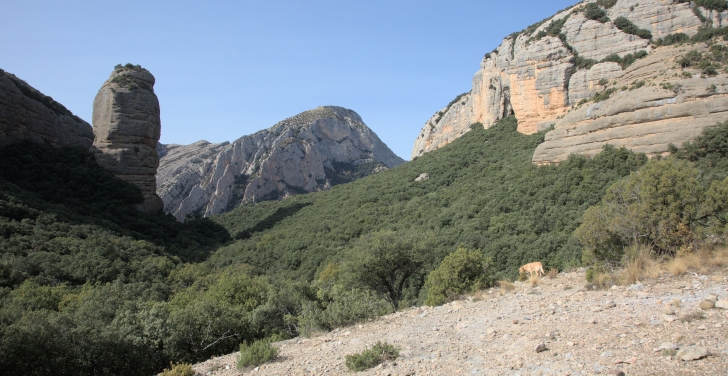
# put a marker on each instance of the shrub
(607, 3)
(671, 39)
(256, 353)
(384, 261)
(592, 11)
(181, 369)
(719, 5)
(459, 272)
(656, 206)
(378, 353)
(604, 95)
(622, 23)
(349, 306)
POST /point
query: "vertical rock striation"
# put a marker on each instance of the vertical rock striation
(126, 126)
(311, 151)
(544, 72)
(26, 114)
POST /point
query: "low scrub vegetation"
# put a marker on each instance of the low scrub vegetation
(108, 290)
(256, 353)
(371, 357)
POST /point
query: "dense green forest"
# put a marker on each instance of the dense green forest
(89, 286)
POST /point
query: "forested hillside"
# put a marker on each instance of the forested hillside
(92, 287)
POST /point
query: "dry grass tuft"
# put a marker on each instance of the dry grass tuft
(505, 286)
(677, 266)
(601, 281)
(719, 258)
(643, 265)
(692, 316)
(553, 272)
(700, 261)
(533, 280)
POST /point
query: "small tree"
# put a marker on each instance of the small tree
(459, 272)
(384, 261)
(657, 206)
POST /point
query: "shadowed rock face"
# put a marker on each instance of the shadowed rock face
(28, 115)
(311, 151)
(536, 78)
(127, 129)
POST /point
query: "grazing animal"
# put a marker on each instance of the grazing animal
(532, 267)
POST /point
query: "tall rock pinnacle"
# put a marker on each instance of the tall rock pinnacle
(127, 128)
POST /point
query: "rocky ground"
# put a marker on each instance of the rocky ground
(644, 329)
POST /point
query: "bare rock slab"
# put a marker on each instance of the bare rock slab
(692, 353)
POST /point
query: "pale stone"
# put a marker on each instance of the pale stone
(692, 353)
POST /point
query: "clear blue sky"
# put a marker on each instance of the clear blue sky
(226, 69)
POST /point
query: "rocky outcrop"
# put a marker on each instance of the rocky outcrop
(653, 105)
(311, 151)
(26, 114)
(127, 129)
(543, 73)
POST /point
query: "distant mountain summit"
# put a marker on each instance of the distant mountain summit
(309, 152)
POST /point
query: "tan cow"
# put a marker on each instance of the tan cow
(532, 267)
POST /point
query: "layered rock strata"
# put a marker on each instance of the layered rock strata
(26, 114)
(654, 103)
(539, 74)
(311, 151)
(127, 127)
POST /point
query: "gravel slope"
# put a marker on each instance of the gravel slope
(585, 332)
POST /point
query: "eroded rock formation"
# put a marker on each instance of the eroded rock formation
(542, 75)
(311, 151)
(26, 114)
(126, 126)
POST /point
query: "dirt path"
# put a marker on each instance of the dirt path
(585, 332)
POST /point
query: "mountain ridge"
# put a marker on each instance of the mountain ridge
(307, 152)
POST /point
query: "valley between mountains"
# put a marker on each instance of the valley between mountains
(594, 142)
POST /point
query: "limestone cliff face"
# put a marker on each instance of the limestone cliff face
(311, 151)
(669, 108)
(539, 76)
(28, 115)
(127, 127)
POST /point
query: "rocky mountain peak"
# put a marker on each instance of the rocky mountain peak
(311, 151)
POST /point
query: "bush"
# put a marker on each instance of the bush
(461, 271)
(384, 262)
(257, 353)
(719, 5)
(671, 39)
(181, 369)
(622, 23)
(379, 353)
(592, 11)
(656, 206)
